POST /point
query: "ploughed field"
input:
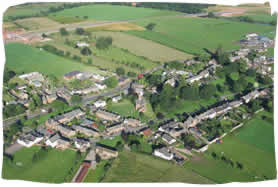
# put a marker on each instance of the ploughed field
(193, 35)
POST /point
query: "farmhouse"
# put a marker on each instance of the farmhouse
(168, 139)
(104, 115)
(29, 140)
(163, 153)
(106, 152)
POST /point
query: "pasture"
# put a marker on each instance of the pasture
(147, 48)
(193, 35)
(137, 167)
(217, 170)
(253, 146)
(24, 58)
(52, 168)
(113, 12)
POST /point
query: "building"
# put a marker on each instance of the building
(140, 105)
(114, 129)
(82, 44)
(67, 117)
(171, 82)
(116, 98)
(72, 75)
(50, 98)
(106, 152)
(100, 104)
(168, 139)
(66, 131)
(163, 153)
(51, 124)
(104, 115)
(29, 140)
(64, 94)
(133, 122)
(58, 142)
(85, 130)
(100, 86)
(252, 95)
(82, 144)
(147, 132)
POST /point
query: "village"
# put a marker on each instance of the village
(88, 122)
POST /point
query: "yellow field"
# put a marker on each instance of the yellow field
(117, 27)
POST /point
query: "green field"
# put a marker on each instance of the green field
(137, 167)
(253, 146)
(147, 48)
(52, 168)
(24, 58)
(96, 175)
(217, 170)
(113, 12)
(192, 35)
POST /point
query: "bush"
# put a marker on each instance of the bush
(103, 42)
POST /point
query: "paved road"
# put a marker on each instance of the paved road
(13, 148)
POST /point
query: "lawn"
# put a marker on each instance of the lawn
(53, 168)
(147, 48)
(217, 170)
(113, 12)
(193, 35)
(111, 142)
(24, 58)
(137, 167)
(253, 146)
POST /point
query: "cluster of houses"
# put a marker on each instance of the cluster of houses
(257, 41)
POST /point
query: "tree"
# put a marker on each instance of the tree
(211, 15)
(63, 32)
(120, 71)
(220, 56)
(79, 31)
(59, 105)
(37, 100)
(204, 57)
(207, 91)
(44, 35)
(111, 82)
(131, 74)
(175, 65)
(103, 42)
(154, 79)
(150, 26)
(8, 74)
(234, 76)
(86, 51)
(13, 110)
(75, 99)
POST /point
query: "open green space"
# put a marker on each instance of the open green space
(253, 146)
(113, 12)
(193, 35)
(96, 175)
(53, 167)
(217, 170)
(147, 48)
(137, 167)
(24, 58)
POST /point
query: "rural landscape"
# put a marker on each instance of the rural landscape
(138, 92)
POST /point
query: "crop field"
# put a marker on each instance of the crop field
(66, 20)
(114, 12)
(117, 27)
(36, 23)
(147, 48)
(24, 58)
(193, 35)
(253, 146)
(217, 170)
(53, 168)
(136, 167)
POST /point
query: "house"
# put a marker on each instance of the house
(168, 139)
(168, 126)
(132, 122)
(123, 80)
(252, 95)
(29, 139)
(147, 132)
(100, 86)
(139, 91)
(82, 44)
(194, 78)
(64, 93)
(72, 75)
(104, 115)
(236, 103)
(252, 36)
(50, 98)
(234, 58)
(190, 122)
(65, 131)
(106, 152)
(100, 104)
(67, 117)
(82, 144)
(98, 77)
(51, 124)
(36, 83)
(140, 105)
(114, 129)
(32, 76)
(163, 153)
(87, 123)
(85, 130)
(56, 141)
(116, 98)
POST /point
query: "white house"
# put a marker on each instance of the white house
(100, 86)
(82, 44)
(29, 140)
(100, 103)
(163, 153)
(116, 98)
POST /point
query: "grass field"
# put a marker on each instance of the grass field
(66, 20)
(97, 174)
(53, 168)
(36, 23)
(192, 35)
(113, 12)
(136, 167)
(111, 142)
(146, 48)
(24, 58)
(253, 146)
(116, 27)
